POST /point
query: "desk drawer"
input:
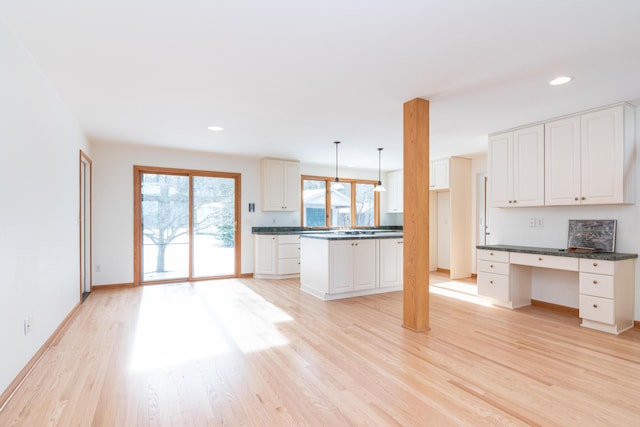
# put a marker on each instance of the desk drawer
(597, 309)
(493, 267)
(500, 256)
(494, 286)
(597, 285)
(597, 266)
(545, 261)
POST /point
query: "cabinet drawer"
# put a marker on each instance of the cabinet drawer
(289, 251)
(545, 261)
(488, 255)
(494, 286)
(597, 266)
(597, 285)
(596, 309)
(288, 238)
(289, 266)
(493, 267)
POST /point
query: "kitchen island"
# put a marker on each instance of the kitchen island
(352, 263)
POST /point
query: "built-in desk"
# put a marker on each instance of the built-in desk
(606, 281)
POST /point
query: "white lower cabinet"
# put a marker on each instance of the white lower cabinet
(352, 266)
(607, 294)
(493, 277)
(390, 260)
(276, 256)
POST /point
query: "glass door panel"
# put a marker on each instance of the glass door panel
(214, 226)
(165, 226)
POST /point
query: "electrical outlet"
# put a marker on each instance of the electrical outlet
(532, 222)
(539, 222)
(98, 268)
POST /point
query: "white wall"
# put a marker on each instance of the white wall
(39, 182)
(511, 226)
(113, 200)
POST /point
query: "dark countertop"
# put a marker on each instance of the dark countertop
(605, 256)
(333, 235)
(306, 231)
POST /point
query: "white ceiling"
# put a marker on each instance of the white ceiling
(287, 78)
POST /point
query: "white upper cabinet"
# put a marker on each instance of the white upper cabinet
(280, 185)
(395, 192)
(589, 158)
(439, 175)
(562, 161)
(516, 167)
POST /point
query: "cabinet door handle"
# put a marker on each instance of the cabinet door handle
(539, 259)
(583, 198)
(491, 282)
(595, 305)
(576, 199)
(515, 201)
(491, 253)
(595, 282)
(595, 264)
(490, 265)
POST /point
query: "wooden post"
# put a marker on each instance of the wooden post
(416, 215)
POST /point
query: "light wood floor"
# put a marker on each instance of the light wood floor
(262, 353)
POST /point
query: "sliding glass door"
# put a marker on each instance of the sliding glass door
(214, 226)
(185, 225)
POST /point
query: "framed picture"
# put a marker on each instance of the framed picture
(595, 235)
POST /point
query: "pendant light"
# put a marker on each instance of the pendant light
(337, 185)
(379, 188)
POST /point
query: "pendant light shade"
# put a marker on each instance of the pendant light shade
(337, 185)
(379, 188)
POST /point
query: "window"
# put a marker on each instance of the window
(349, 203)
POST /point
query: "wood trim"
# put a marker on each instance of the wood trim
(246, 276)
(474, 276)
(416, 215)
(13, 386)
(555, 307)
(636, 324)
(114, 286)
(443, 271)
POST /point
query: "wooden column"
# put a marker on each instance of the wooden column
(416, 215)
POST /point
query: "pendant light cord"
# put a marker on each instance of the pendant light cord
(337, 142)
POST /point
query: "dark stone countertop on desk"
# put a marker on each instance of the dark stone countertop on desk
(605, 256)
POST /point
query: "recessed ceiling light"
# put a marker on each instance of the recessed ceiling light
(560, 80)
(215, 128)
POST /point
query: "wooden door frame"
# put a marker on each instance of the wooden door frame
(82, 202)
(137, 212)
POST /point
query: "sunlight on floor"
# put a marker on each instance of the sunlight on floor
(246, 316)
(459, 290)
(183, 322)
